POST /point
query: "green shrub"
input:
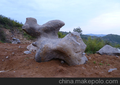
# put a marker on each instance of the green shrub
(100, 63)
(9, 23)
(2, 36)
(60, 35)
(94, 62)
(93, 45)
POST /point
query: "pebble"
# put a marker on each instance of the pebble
(27, 52)
(95, 66)
(83, 67)
(89, 57)
(13, 53)
(62, 61)
(19, 47)
(2, 59)
(7, 57)
(117, 56)
(112, 69)
(2, 71)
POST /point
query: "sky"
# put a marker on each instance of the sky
(92, 16)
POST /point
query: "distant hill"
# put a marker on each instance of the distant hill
(98, 35)
(112, 38)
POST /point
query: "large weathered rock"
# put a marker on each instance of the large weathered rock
(109, 50)
(70, 48)
(49, 29)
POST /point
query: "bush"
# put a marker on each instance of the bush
(93, 45)
(9, 23)
(2, 36)
(60, 35)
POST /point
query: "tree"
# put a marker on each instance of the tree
(78, 29)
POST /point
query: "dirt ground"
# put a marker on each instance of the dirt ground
(14, 63)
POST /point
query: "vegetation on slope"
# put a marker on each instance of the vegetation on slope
(112, 38)
(8, 23)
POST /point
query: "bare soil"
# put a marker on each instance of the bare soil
(14, 63)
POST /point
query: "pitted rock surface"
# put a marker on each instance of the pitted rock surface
(70, 48)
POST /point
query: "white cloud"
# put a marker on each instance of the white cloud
(104, 23)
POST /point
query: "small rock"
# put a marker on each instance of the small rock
(2, 71)
(101, 61)
(15, 41)
(13, 53)
(14, 71)
(7, 57)
(102, 72)
(117, 56)
(27, 52)
(83, 67)
(89, 57)
(112, 69)
(95, 66)
(62, 61)
(19, 47)
(2, 59)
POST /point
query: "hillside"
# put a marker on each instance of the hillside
(98, 35)
(112, 38)
(11, 28)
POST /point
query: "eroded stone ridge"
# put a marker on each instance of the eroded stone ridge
(70, 48)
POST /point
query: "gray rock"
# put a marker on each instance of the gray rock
(49, 29)
(27, 52)
(117, 56)
(70, 48)
(112, 69)
(15, 41)
(19, 47)
(13, 53)
(7, 57)
(32, 47)
(62, 61)
(109, 50)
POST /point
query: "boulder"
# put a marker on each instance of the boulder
(109, 50)
(15, 41)
(70, 48)
(31, 48)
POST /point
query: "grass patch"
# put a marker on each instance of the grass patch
(94, 62)
(100, 63)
